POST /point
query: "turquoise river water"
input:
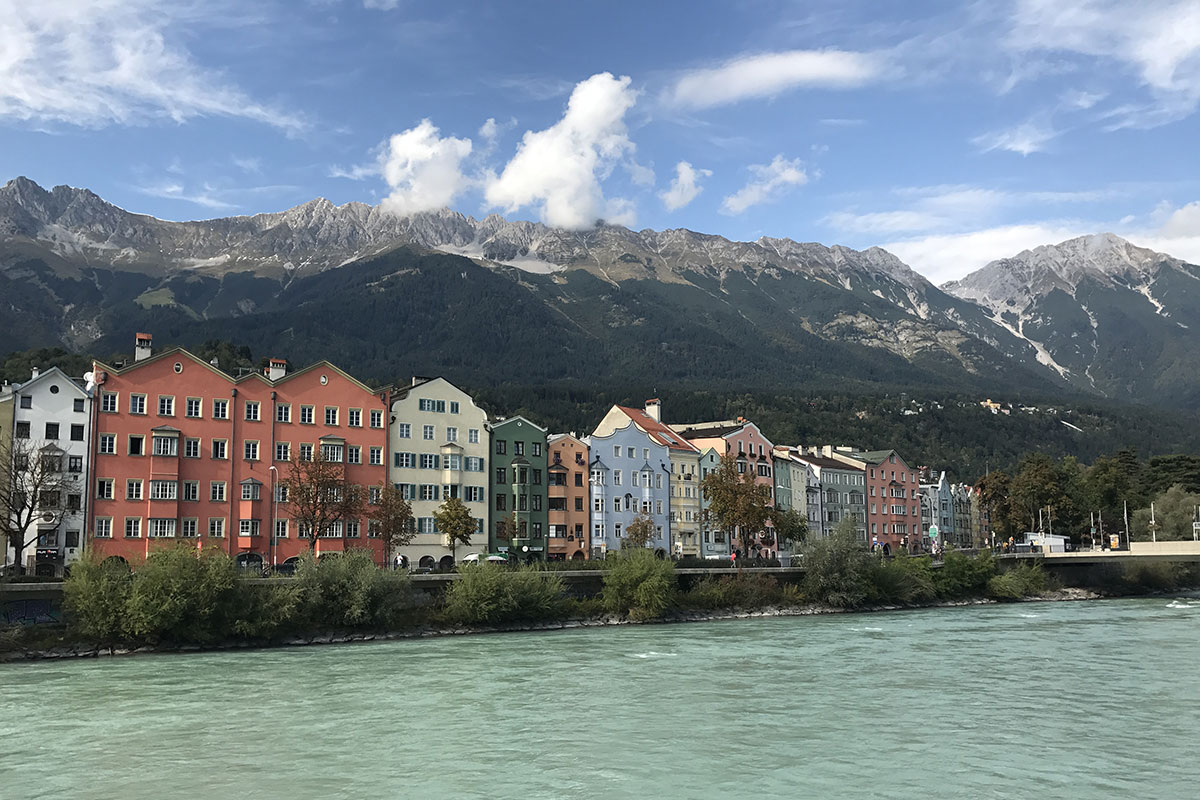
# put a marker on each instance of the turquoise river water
(1037, 700)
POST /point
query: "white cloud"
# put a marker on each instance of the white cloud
(683, 188)
(768, 74)
(946, 257)
(889, 222)
(620, 211)
(381, 5)
(1159, 40)
(423, 169)
(175, 191)
(355, 172)
(769, 182)
(93, 63)
(1178, 235)
(559, 169)
(489, 130)
(248, 164)
(1026, 138)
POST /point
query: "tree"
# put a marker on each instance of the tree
(319, 496)
(838, 567)
(790, 527)
(33, 490)
(994, 492)
(393, 520)
(1174, 512)
(454, 520)
(640, 532)
(737, 501)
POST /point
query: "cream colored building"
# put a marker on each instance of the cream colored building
(439, 443)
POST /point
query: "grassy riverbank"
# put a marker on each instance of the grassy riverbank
(177, 600)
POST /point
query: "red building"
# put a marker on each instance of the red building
(183, 450)
(893, 497)
(569, 491)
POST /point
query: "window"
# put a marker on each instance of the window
(474, 494)
(616, 504)
(51, 430)
(537, 477)
(104, 488)
(137, 405)
(579, 504)
(331, 415)
(283, 412)
(536, 530)
(248, 527)
(165, 445)
(306, 415)
(427, 432)
(404, 460)
(27, 401)
(453, 406)
(631, 452)
(108, 404)
(432, 405)
(75, 464)
(253, 411)
(108, 443)
(426, 525)
(193, 407)
(220, 409)
(164, 490)
(216, 491)
(430, 492)
(618, 527)
(501, 475)
(616, 477)
(473, 436)
(133, 489)
(166, 405)
(616, 451)
(658, 507)
(250, 491)
(250, 450)
(452, 461)
(220, 448)
(519, 448)
(190, 528)
(522, 502)
(283, 451)
(430, 461)
(598, 505)
(281, 528)
(137, 445)
(501, 447)
(191, 491)
(473, 464)
(403, 431)
(376, 456)
(103, 528)
(306, 452)
(597, 477)
(22, 430)
(281, 492)
(332, 453)
(133, 527)
(77, 433)
(376, 418)
(407, 490)
(537, 448)
(352, 529)
(354, 454)
(658, 480)
(77, 407)
(451, 434)
(501, 502)
(354, 417)
(162, 528)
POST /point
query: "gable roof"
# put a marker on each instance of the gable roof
(660, 433)
(708, 430)
(826, 463)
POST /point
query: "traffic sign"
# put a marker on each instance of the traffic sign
(933, 531)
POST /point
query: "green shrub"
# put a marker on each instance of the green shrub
(349, 591)
(963, 576)
(179, 597)
(1154, 576)
(838, 570)
(748, 591)
(1019, 582)
(94, 598)
(487, 594)
(903, 580)
(265, 611)
(640, 585)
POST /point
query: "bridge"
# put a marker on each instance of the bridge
(1139, 551)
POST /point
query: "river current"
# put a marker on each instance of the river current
(1081, 700)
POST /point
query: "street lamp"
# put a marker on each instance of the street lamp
(274, 510)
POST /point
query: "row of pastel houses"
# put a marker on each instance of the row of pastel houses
(170, 446)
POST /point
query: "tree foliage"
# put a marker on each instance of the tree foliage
(736, 501)
(34, 486)
(392, 517)
(1174, 513)
(640, 531)
(319, 495)
(455, 522)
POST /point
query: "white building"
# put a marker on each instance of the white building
(51, 415)
(439, 444)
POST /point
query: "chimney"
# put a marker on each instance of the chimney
(277, 369)
(654, 409)
(142, 346)
(36, 371)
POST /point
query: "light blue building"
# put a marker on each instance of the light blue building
(630, 476)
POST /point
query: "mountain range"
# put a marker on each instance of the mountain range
(510, 302)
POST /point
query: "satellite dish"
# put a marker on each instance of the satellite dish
(89, 378)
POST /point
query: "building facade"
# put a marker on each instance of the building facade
(841, 494)
(183, 450)
(753, 452)
(439, 450)
(714, 541)
(520, 500)
(630, 476)
(569, 499)
(685, 467)
(51, 421)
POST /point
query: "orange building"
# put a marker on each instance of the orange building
(183, 450)
(568, 498)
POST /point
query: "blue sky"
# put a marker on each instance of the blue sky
(950, 133)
